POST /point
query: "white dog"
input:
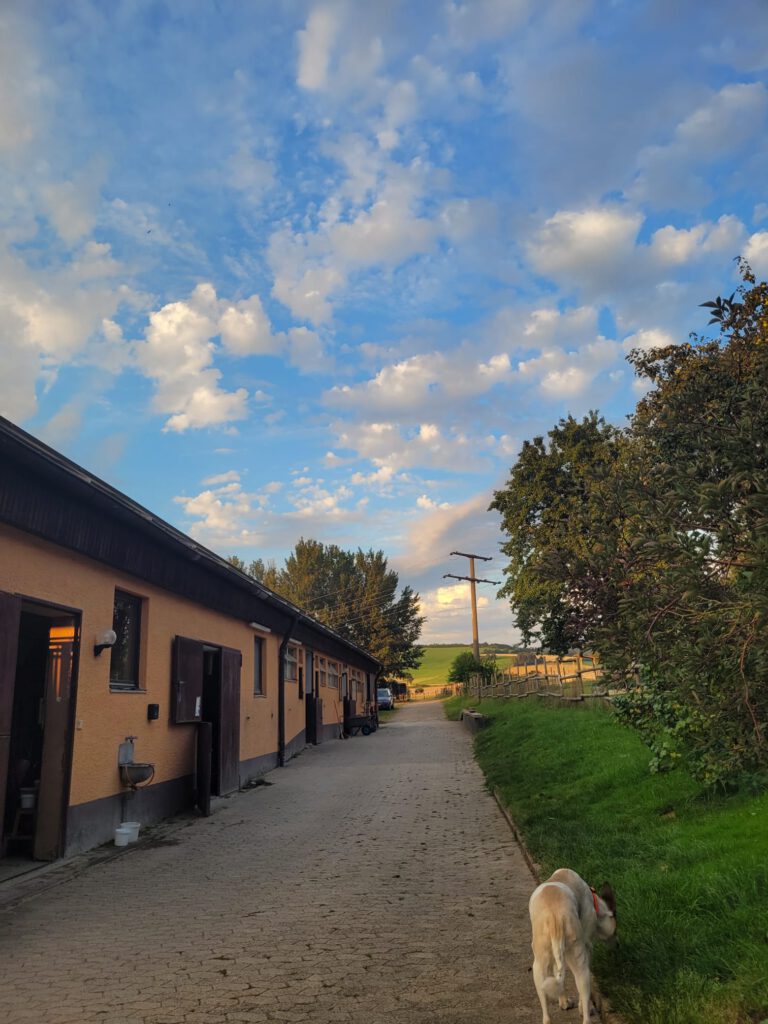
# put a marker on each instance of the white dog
(566, 917)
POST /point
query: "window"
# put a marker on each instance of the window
(126, 622)
(321, 673)
(258, 667)
(333, 674)
(291, 664)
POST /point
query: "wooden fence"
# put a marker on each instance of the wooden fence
(573, 678)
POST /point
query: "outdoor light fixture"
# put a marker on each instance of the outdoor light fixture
(258, 625)
(107, 638)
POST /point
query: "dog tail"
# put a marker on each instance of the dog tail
(553, 984)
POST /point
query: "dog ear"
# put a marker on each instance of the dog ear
(608, 896)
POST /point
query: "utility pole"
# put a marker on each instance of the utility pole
(472, 580)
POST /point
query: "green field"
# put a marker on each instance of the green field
(433, 670)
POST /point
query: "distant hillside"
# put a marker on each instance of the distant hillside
(436, 663)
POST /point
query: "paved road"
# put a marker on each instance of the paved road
(266, 912)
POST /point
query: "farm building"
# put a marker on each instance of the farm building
(139, 672)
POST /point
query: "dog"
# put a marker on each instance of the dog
(566, 917)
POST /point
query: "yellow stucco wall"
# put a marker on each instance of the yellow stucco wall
(39, 570)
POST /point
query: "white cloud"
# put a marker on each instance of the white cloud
(382, 477)
(381, 215)
(425, 502)
(180, 349)
(423, 382)
(568, 374)
(223, 478)
(315, 45)
(465, 526)
(72, 205)
(591, 247)
(24, 88)
(177, 354)
(21, 368)
(672, 246)
(307, 352)
(389, 444)
(756, 253)
(673, 174)
(245, 329)
(475, 21)
(647, 339)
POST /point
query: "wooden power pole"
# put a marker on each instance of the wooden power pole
(472, 581)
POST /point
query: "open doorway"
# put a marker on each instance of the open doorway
(37, 691)
(206, 689)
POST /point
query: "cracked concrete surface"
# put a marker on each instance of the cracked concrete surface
(375, 880)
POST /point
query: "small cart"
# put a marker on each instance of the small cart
(366, 724)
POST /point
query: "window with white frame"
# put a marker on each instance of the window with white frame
(333, 674)
(291, 664)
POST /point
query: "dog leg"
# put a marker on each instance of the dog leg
(538, 980)
(578, 961)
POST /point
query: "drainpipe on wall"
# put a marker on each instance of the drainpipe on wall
(374, 695)
(281, 694)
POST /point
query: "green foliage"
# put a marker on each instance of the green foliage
(356, 594)
(465, 665)
(650, 544)
(562, 494)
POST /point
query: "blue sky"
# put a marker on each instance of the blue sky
(317, 269)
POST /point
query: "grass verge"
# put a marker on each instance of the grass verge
(690, 871)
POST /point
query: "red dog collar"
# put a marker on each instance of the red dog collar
(594, 900)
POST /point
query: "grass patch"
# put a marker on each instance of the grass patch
(690, 871)
(435, 665)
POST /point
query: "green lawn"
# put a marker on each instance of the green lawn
(434, 667)
(690, 871)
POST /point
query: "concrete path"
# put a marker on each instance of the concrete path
(374, 880)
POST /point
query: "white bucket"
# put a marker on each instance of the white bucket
(122, 836)
(27, 799)
(133, 829)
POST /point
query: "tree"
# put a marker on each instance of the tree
(701, 501)
(651, 544)
(561, 496)
(356, 594)
(464, 666)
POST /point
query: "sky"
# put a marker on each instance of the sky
(294, 269)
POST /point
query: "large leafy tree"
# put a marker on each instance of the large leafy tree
(356, 594)
(561, 495)
(651, 543)
(700, 589)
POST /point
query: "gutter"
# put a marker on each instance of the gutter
(281, 692)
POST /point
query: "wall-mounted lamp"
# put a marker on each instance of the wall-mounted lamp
(258, 625)
(107, 638)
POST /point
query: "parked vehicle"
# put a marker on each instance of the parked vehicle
(385, 699)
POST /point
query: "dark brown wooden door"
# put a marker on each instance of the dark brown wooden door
(57, 738)
(229, 721)
(10, 616)
(187, 680)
